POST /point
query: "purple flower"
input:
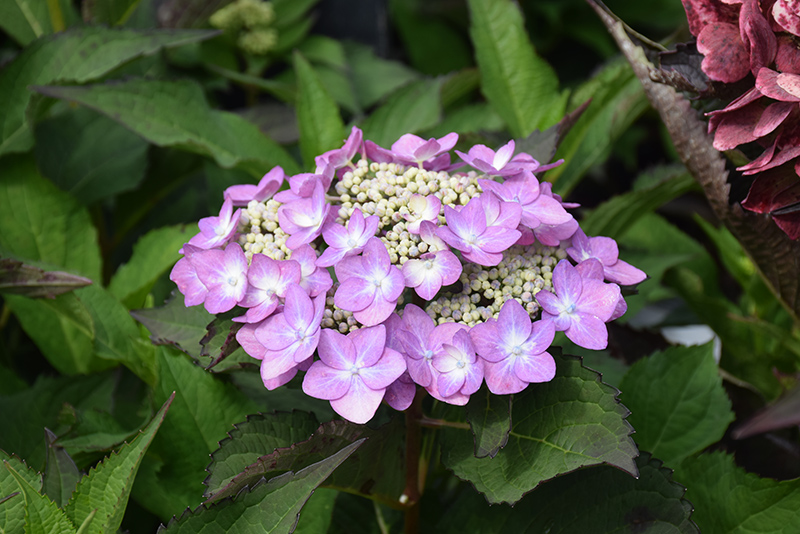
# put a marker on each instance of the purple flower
(217, 231)
(432, 271)
(290, 337)
(501, 163)
(581, 305)
(537, 208)
(460, 370)
(468, 232)
(340, 157)
(413, 150)
(604, 250)
(302, 185)
(185, 277)
(514, 349)
(422, 208)
(241, 195)
(303, 219)
(400, 393)
(224, 273)
(354, 371)
(347, 241)
(314, 280)
(268, 281)
(370, 284)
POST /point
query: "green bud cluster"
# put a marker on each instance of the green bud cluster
(259, 232)
(250, 20)
(523, 272)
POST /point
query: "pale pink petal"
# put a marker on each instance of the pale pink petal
(360, 402)
(327, 383)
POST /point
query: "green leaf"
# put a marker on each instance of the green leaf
(317, 513)
(60, 474)
(25, 20)
(177, 114)
(489, 417)
(273, 505)
(570, 422)
(107, 486)
(43, 225)
(204, 409)
(678, 406)
(21, 279)
(601, 500)
(105, 159)
(728, 499)
(520, 85)
(374, 78)
(187, 13)
(12, 502)
(111, 12)
(617, 100)
(153, 254)
(42, 516)
(412, 109)
(260, 434)
(73, 56)
(471, 118)
(176, 325)
(321, 127)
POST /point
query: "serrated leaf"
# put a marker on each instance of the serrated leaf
(600, 500)
(12, 502)
(42, 516)
(489, 418)
(177, 114)
(43, 225)
(107, 486)
(220, 341)
(273, 505)
(376, 471)
(73, 56)
(60, 474)
(153, 255)
(204, 409)
(728, 499)
(570, 422)
(321, 126)
(176, 325)
(260, 434)
(106, 159)
(678, 406)
(21, 279)
(412, 109)
(520, 85)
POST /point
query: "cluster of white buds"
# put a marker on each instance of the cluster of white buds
(260, 233)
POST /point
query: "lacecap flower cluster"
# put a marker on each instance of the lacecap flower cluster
(394, 269)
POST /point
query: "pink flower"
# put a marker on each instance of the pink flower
(185, 277)
(431, 271)
(537, 209)
(460, 370)
(354, 371)
(501, 163)
(413, 150)
(217, 231)
(314, 279)
(604, 250)
(241, 195)
(422, 208)
(224, 273)
(268, 281)
(303, 219)
(340, 157)
(347, 241)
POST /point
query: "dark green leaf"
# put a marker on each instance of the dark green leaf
(288, 12)
(188, 13)
(321, 127)
(600, 500)
(472, 118)
(220, 341)
(25, 20)
(260, 435)
(60, 474)
(316, 515)
(42, 516)
(374, 78)
(110, 12)
(74, 56)
(12, 502)
(153, 254)
(176, 325)
(728, 499)
(177, 114)
(273, 505)
(412, 109)
(105, 159)
(678, 406)
(570, 422)
(489, 417)
(20, 279)
(520, 85)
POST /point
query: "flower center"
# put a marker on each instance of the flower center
(429, 264)
(351, 243)
(516, 351)
(233, 280)
(300, 335)
(461, 364)
(428, 355)
(354, 370)
(570, 308)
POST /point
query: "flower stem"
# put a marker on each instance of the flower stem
(413, 447)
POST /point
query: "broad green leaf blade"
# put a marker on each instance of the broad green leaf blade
(60, 474)
(43, 225)
(520, 85)
(321, 126)
(220, 341)
(273, 505)
(678, 406)
(176, 325)
(187, 13)
(104, 160)
(600, 500)
(471, 118)
(73, 56)
(617, 100)
(728, 499)
(261, 434)
(177, 114)
(153, 255)
(414, 108)
(374, 78)
(376, 471)
(21, 279)
(204, 409)
(489, 417)
(317, 513)
(570, 422)
(110, 12)
(42, 516)
(25, 20)
(107, 486)
(12, 501)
